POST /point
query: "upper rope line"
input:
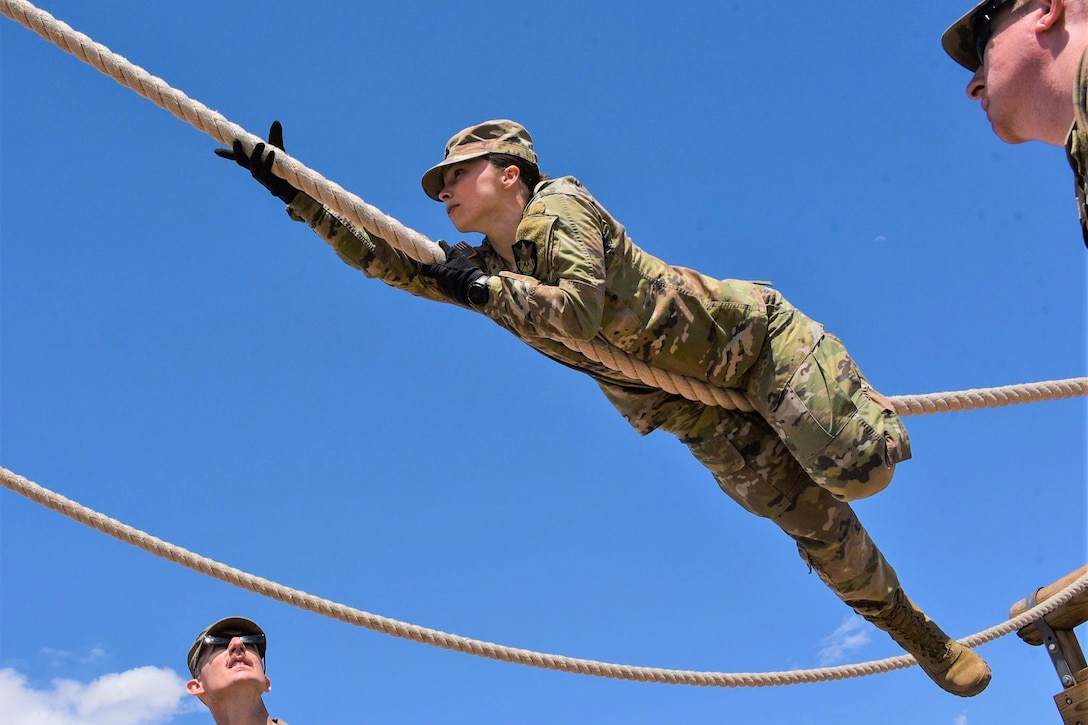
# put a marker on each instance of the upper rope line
(417, 246)
(490, 650)
(332, 195)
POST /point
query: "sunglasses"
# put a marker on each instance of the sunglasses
(984, 25)
(212, 644)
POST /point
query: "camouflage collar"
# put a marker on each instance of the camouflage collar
(1076, 143)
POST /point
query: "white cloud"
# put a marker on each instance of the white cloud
(56, 656)
(142, 696)
(961, 720)
(852, 636)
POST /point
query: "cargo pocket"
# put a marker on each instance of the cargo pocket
(815, 407)
(877, 411)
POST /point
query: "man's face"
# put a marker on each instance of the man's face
(229, 668)
(1005, 82)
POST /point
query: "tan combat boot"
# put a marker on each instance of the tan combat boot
(952, 666)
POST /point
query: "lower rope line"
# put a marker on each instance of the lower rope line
(489, 650)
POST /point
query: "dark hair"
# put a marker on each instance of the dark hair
(530, 174)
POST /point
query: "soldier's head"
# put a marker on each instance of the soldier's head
(486, 176)
(1024, 56)
(500, 138)
(227, 662)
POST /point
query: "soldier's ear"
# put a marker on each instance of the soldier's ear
(510, 176)
(195, 688)
(1052, 12)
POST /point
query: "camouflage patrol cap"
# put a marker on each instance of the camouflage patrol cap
(959, 40)
(234, 626)
(490, 137)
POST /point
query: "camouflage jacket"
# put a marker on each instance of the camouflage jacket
(1076, 144)
(580, 276)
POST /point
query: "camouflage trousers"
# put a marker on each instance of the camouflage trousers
(845, 435)
(799, 468)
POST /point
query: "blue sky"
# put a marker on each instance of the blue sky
(178, 355)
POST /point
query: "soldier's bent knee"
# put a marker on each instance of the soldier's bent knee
(878, 480)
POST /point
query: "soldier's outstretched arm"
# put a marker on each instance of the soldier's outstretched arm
(358, 248)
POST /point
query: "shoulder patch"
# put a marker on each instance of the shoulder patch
(525, 257)
(536, 207)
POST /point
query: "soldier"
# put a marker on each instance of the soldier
(227, 664)
(553, 261)
(1029, 64)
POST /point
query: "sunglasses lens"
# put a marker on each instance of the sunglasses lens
(254, 642)
(982, 33)
(981, 39)
(984, 26)
(214, 644)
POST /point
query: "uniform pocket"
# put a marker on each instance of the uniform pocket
(815, 406)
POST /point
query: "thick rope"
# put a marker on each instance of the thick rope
(905, 405)
(309, 602)
(419, 247)
(989, 397)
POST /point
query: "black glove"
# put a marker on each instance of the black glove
(260, 165)
(455, 275)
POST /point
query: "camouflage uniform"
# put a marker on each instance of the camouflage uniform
(1076, 144)
(817, 437)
